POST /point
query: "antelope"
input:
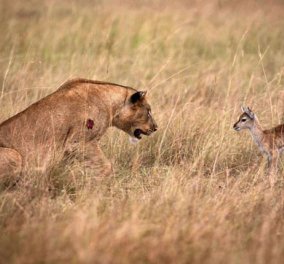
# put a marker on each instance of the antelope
(270, 142)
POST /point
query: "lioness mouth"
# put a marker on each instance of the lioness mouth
(138, 133)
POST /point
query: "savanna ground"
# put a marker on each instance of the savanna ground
(196, 191)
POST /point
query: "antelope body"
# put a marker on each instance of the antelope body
(270, 142)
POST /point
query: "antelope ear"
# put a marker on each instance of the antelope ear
(138, 96)
(245, 109)
(248, 111)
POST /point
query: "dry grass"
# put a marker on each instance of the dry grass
(194, 192)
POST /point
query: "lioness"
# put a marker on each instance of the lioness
(72, 120)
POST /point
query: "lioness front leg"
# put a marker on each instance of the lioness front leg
(95, 162)
(10, 165)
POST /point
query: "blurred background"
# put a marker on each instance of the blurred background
(195, 192)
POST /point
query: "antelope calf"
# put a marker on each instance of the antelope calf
(270, 142)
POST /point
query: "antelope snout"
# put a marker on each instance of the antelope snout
(236, 127)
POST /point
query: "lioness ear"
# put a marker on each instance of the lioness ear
(137, 96)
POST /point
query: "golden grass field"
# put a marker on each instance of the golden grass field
(196, 191)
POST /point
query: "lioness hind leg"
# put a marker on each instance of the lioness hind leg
(10, 165)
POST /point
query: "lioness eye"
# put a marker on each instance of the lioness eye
(244, 119)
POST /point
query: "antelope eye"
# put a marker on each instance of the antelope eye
(244, 120)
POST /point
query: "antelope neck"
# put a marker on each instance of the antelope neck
(257, 133)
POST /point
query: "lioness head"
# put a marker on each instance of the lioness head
(135, 117)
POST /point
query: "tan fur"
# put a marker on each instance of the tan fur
(56, 126)
(270, 142)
